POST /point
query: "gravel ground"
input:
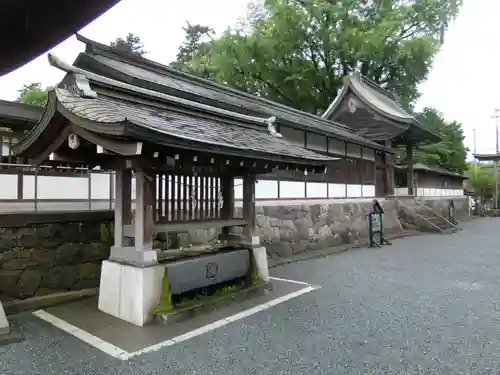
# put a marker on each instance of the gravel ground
(426, 305)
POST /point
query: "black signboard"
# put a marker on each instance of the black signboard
(376, 225)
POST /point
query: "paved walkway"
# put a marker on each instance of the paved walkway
(426, 305)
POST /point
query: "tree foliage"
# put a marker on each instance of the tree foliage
(33, 94)
(450, 154)
(196, 42)
(296, 51)
(481, 180)
(131, 43)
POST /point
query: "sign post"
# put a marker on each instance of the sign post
(376, 225)
(451, 213)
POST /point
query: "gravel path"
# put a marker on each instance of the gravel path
(426, 305)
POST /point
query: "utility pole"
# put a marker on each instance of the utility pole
(496, 116)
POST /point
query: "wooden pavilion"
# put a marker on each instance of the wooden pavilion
(375, 114)
(355, 154)
(95, 120)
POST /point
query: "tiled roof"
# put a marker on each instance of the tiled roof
(142, 72)
(186, 126)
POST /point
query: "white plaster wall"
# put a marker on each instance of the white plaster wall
(265, 189)
(336, 190)
(8, 186)
(368, 191)
(316, 190)
(432, 192)
(354, 191)
(292, 189)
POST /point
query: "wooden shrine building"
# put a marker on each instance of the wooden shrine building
(95, 120)
(375, 114)
(352, 175)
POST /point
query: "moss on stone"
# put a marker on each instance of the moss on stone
(254, 277)
(165, 305)
(105, 231)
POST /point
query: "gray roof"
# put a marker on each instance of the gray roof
(186, 126)
(435, 170)
(19, 116)
(382, 102)
(376, 97)
(487, 157)
(112, 109)
(142, 72)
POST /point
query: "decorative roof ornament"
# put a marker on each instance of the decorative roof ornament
(81, 80)
(352, 105)
(271, 128)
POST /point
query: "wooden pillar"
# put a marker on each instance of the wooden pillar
(409, 176)
(144, 201)
(249, 204)
(389, 170)
(227, 192)
(123, 202)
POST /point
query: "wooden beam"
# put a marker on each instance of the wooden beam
(249, 204)
(123, 202)
(409, 172)
(389, 170)
(144, 201)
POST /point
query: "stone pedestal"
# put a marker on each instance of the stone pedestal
(260, 262)
(4, 323)
(130, 292)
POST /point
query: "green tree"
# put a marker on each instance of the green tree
(33, 94)
(481, 181)
(450, 154)
(131, 43)
(196, 43)
(296, 51)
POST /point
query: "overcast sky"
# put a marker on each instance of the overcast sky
(464, 82)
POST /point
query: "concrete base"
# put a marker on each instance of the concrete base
(260, 259)
(130, 293)
(4, 323)
(129, 255)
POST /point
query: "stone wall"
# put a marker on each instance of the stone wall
(44, 253)
(291, 229)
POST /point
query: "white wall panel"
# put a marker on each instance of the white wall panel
(238, 188)
(8, 186)
(368, 191)
(354, 191)
(336, 190)
(292, 189)
(317, 190)
(266, 189)
(100, 185)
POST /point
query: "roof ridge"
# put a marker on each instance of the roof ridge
(87, 91)
(136, 59)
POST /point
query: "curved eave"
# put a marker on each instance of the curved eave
(418, 135)
(40, 25)
(402, 120)
(29, 145)
(18, 116)
(150, 136)
(98, 49)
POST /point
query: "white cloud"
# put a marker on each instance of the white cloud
(463, 84)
